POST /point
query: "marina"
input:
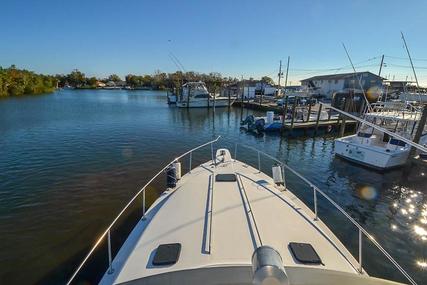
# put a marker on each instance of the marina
(218, 143)
(388, 205)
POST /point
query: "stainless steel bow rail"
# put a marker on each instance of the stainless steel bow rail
(362, 231)
(107, 232)
(316, 190)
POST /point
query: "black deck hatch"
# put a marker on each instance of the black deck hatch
(167, 254)
(227, 177)
(304, 253)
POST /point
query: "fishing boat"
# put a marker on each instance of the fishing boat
(227, 222)
(373, 147)
(196, 95)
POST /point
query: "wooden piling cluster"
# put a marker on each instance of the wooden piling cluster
(340, 123)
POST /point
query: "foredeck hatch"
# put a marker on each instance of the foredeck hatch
(225, 177)
(304, 253)
(167, 254)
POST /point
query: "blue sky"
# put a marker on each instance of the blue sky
(233, 37)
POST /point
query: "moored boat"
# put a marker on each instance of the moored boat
(196, 95)
(226, 222)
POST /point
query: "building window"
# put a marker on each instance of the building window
(329, 81)
(336, 81)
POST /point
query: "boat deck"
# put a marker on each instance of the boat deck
(222, 223)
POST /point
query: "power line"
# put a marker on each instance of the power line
(405, 58)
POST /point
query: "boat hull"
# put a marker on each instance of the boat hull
(370, 156)
(204, 103)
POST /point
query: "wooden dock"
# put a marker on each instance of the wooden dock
(299, 127)
(257, 106)
(313, 124)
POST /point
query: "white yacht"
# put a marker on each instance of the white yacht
(226, 222)
(372, 148)
(376, 149)
(195, 94)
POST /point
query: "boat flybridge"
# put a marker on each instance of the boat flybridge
(195, 94)
(227, 222)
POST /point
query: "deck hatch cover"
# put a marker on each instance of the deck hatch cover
(167, 254)
(227, 177)
(304, 253)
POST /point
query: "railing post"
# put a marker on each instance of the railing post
(110, 261)
(259, 162)
(283, 174)
(360, 251)
(212, 153)
(315, 202)
(235, 151)
(191, 158)
(143, 203)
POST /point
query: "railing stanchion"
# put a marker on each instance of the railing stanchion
(315, 202)
(360, 251)
(191, 158)
(143, 203)
(110, 260)
(259, 162)
(212, 150)
(283, 174)
(235, 151)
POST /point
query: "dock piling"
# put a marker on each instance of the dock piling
(309, 109)
(318, 119)
(420, 128)
(294, 106)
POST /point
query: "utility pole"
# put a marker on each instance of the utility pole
(287, 72)
(280, 76)
(381, 65)
(285, 104)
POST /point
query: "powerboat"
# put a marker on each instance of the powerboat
(376, 149)
(196, 95)
(269, 123)
(373, 148)
(227, 222)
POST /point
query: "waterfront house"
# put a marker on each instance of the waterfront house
(327, 85)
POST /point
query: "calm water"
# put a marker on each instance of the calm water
(70, 161)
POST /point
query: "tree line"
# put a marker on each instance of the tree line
(17, 82)
(158, 81)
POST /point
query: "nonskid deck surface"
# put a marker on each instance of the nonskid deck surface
(222, 223)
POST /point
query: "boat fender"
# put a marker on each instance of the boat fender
(278, 174)
(177, 166)
(171, 176)
(267, 267)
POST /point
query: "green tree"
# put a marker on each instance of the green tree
(92, 81)
(267, 80)
(76, 78)
(114, 77)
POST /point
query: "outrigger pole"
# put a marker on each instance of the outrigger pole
(358, 79)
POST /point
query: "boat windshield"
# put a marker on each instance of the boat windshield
(202, 96)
